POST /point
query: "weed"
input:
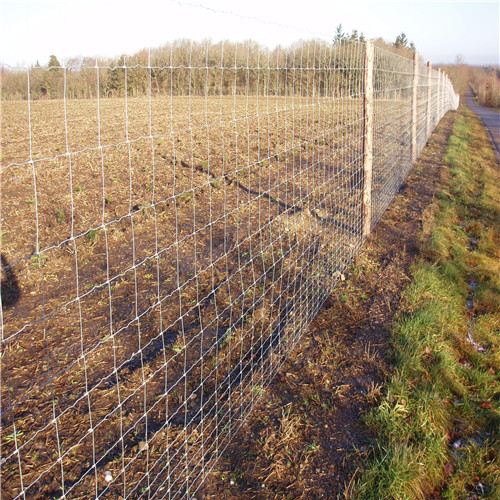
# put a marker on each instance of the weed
(257, 389)
(312, 446)
(185, 196)
(60, 215)
(38, 260)
(9, 438)
(374, 392)
(370, 355)
(92, 236)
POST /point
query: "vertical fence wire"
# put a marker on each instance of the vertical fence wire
(170, 226)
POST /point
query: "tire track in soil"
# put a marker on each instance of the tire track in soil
(338, 367)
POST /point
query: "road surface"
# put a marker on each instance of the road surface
(489, 117)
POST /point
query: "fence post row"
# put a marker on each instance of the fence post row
(443, 93)
(429, 99)
(439, 97)
(414, 109)
(367, 138)
(438, 110)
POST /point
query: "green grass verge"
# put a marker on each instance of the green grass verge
(437, 425)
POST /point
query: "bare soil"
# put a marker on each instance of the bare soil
(306, 438)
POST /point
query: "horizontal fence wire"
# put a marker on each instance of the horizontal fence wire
(169, 228)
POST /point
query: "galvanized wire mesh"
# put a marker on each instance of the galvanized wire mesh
(169, 228)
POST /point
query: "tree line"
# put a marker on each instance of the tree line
(186, 67)
(484, 81)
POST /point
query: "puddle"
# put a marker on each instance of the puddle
(473, 245)
(478, 347)
(470, 308)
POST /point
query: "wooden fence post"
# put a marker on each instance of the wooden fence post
(368, 138)
(438, 104)
(414, 98)
(443, 83)
(429, 99)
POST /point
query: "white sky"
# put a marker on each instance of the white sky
(31, 30)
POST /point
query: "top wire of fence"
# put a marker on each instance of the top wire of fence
(171, 222)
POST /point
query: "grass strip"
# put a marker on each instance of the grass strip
(437, 423)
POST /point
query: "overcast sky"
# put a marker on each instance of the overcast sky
(32, 30)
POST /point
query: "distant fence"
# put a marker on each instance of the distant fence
(168, 237)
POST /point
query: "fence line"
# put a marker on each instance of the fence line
(168, 237)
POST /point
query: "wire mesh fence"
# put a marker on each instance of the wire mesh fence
(169, 228)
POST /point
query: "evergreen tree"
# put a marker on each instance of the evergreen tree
(401, 41)
(54, 64)
(52, 82)
(45, 85)
(117, 78)
(340, 37)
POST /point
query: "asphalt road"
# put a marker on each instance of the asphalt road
(489, 117)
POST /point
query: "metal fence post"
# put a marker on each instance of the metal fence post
(414, 109)
(367, 138)
(429, 99)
